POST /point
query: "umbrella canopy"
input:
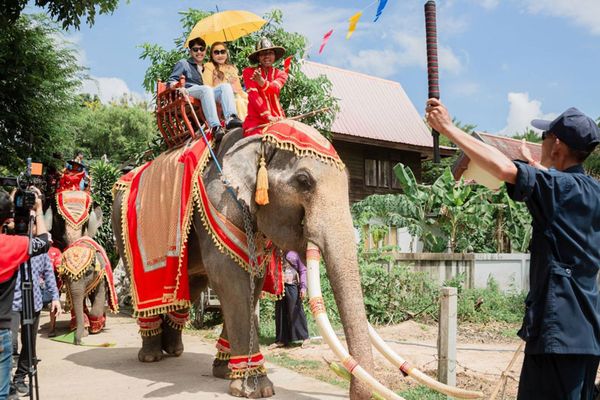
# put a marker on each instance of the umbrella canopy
(225, 26)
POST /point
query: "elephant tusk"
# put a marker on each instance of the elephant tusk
(317, 307)
(414, 373)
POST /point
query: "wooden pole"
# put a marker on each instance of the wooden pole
(447, 337)
(503, 378)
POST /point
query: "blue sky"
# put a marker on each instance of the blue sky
(503, 62)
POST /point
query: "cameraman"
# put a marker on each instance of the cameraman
(14, 252)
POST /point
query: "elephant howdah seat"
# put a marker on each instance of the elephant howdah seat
(175, 118)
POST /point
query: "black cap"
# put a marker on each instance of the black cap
(574, 128)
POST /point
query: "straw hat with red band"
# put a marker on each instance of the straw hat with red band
(263, 45)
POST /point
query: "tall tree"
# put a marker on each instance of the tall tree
(67, 12)
(299, 95)
(38, 79)
(119, 129)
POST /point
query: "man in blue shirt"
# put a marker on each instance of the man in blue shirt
(41, 271)
(195, 87)
(561, 326)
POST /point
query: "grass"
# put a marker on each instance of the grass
(313, 368)
(422, 393)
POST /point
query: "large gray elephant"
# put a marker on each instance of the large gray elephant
(308, 202)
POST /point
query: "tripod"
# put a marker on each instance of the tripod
(28, 316)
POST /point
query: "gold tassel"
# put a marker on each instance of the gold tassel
(262, 184)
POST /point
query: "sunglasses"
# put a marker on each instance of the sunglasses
(198, 49)
(220, 52)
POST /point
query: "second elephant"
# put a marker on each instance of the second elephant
(86, 273)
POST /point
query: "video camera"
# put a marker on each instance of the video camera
(24, 198)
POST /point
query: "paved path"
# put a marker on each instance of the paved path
(79, 372)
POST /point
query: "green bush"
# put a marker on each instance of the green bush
(104, 175)
(398, 295)
(491, 304)
(402, 294)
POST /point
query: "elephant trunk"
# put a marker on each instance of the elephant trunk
(333, 233)
(342, 270)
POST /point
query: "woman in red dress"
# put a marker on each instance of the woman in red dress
(263, 84)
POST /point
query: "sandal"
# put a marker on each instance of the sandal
(276, 345)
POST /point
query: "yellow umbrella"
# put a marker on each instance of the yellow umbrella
(225, 26)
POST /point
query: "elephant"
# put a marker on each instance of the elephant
(85, 271)
(65, 232)
(308, 202)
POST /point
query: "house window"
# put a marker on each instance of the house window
(370, 172)
(377, 173)
(383, 173)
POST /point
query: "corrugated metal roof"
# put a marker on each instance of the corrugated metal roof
(372, 107)
(511, 147)
(508, 146)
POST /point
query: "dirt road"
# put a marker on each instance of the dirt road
(78, 372)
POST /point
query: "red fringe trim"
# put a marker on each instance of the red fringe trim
(243, 362)
(223, 345)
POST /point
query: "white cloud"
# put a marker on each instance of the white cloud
(585, 13)
(522, 110)
(464, 88)
(487, 4)
(109, 89)
(385, 63)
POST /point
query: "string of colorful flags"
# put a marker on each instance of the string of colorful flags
(353, 21)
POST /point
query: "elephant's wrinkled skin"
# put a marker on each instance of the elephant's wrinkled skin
(308, 202)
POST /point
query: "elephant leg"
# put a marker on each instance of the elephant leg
(151, 332)
(221, 362)
(97, 315)
(150, 327)
(78, 298)
(258, 385)
(232, 285)
(172, 326)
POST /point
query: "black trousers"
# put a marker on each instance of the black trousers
(290, 320)
(23, 363)
(558, 376)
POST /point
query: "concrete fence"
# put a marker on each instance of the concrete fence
(510, 271)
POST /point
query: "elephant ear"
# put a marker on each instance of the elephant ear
(94, 222)
(240, 164)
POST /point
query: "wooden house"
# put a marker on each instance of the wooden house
(464, 168)
(376, 127)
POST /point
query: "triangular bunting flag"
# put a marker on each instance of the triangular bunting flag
(325, 40)
(380, 8)
(353, 21)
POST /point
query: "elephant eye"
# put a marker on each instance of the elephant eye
(304, 180)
